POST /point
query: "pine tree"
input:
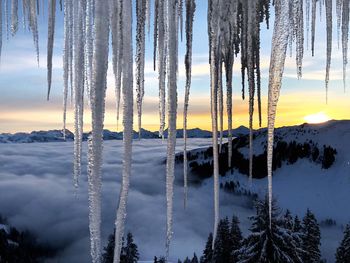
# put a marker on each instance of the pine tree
(155, 259)
(223, 243)
(296, 224)
(187, 260)
(311, 238)
(267, 244)
(343, 251)
(236, 238)
(108, 254)
(208, 251)
(288, 220)
(194, 259)
(131, 252)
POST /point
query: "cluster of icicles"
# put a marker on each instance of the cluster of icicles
(233, 29)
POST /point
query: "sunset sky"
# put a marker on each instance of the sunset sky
(23, 105)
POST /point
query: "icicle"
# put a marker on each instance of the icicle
(33, 25)
(181, 17)
(6, 7)
(66, 58)
(155, 33)
(148, 15)
(213, 27)
(140, 58)
(307, 22)
(1, 31)
(329, 41)
(190, 9)
(50, 39)
(221, 103)
(88, 45)
(117, 48)
(345, 37)
(251, 78)
(14, 17)
(339, 5)
(95, 144)
(162, 64)
(244, 44)
(299, 35)
(313, 27)
(128, 125)
(78, 84)
(172, 111)
(278, 56)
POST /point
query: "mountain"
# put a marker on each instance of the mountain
(57, 135)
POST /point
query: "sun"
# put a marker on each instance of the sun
(317, 118)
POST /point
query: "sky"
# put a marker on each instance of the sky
(23, 105)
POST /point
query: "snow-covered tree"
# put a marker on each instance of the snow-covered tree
(236, 238)
(223, 242)
(311, 238)
(343, 251)
(269, 242)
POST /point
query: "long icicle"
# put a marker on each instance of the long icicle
(339, 4)
(78, 85)
(95, 143)
(1, 31)
(66, 58)
(277, 61)
(190, 9)
(307, 10)
(155, 33)
(33, 24)
(220, 102)
(329, 42)
(50, 40)
(213, 27)
(251, 76)
(14, 17)
(172, 37)
(162, 64)
(117, 49)
(127, 123)
(299, 35)
(345, 37)
(88, 45)
(140, 59)
(313, 26)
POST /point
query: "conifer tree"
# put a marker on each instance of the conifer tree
(343, 251)
(236, 238)
(208, 250)
(223, 243)
(268, 243)
(311, 238)
(194, 259)
(131, 252)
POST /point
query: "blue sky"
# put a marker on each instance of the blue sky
(23, 105)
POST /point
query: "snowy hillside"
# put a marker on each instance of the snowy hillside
(303, 183)
(46, 205)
